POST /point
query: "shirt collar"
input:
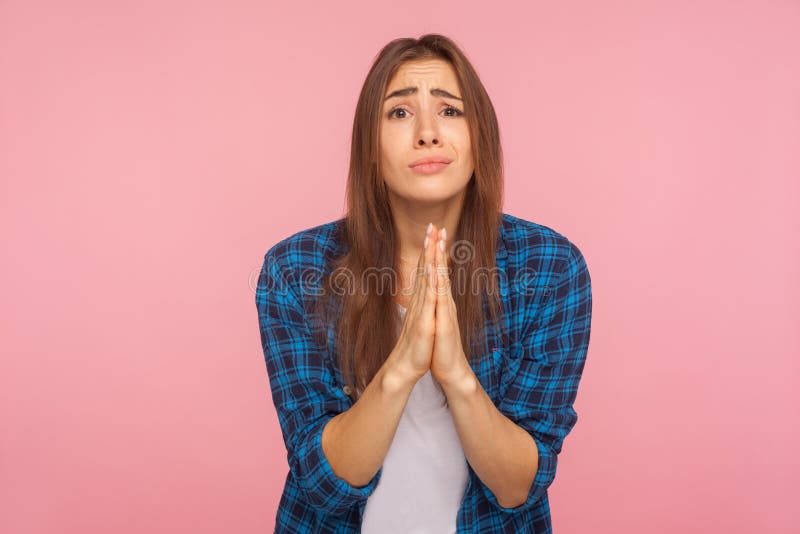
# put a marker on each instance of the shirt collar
(500, 252)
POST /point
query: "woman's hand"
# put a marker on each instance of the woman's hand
(449, 363)
(414, 349)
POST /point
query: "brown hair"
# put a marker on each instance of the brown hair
(365, 310)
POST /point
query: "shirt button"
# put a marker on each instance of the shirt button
(347, 390)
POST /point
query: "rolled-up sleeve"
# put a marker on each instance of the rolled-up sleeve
(304, 390)
(541, 395)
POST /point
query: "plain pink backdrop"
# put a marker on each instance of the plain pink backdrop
(151, 152)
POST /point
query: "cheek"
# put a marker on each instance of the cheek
(459, 136)
(465, 154)
(389, 146)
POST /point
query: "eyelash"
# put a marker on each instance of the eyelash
(458, 113)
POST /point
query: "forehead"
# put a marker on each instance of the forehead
(425, 72)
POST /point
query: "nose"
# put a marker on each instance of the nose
(422, 141)
(427, 133)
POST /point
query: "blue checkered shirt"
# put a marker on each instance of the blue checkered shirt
(531, 371)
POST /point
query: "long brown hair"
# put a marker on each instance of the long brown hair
(364, 310)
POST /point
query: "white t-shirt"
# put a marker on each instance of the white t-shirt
(425, 471)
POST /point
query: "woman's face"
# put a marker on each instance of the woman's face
(422, 117)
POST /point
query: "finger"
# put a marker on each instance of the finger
(447, 279)
(421, 260)
(421, 273)
(429, 308)
(444, 264)
(442, 280)
(430, 258)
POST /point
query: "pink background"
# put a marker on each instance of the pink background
(151, 152)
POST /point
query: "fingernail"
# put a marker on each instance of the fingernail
(441, 245)
(430, 227)
(425, 244)
(444, 233)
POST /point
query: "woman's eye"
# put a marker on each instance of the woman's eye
(450, 111)
(392, 113)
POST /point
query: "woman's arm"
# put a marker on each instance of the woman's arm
(513, 447)
(335, 448)
(503, 455)
(307, 395)
(356, 441)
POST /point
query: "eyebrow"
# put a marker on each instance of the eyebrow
(413, 90)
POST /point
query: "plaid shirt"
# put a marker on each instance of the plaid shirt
(531, 372)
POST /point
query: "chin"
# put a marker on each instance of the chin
(433, 196)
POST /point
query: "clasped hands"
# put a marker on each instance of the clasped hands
(430, 338)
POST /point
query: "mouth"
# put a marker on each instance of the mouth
(429, 168)
(430, 165)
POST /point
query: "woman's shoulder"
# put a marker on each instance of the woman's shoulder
(310, 247)
(537, 246)
(297, 263)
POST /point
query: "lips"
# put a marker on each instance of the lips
(431, 160)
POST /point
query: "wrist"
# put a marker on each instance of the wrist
(462, 385)
(397, 376)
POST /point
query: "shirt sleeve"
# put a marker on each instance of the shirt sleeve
(541, 395)
(304, 391)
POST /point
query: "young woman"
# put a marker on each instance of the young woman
(424, 379)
